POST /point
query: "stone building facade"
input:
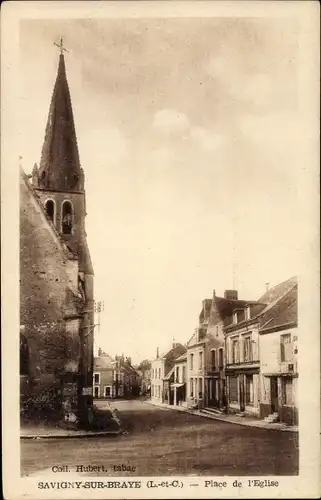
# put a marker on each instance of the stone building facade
(279, 362)
(161, 368)
(206, 352)
(244, 350)
(56, 273)
(114, 378)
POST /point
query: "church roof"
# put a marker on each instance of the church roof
(59, 165)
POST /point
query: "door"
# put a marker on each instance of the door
(241, 389)
(274, 395)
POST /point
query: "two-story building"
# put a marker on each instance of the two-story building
(114, 378)
(160, 368)
(178, 386)
(279, 366)
(103, 380)
(243, 354)
(243, 361)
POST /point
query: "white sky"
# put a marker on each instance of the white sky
(188, 133)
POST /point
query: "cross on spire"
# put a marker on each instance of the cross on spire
(60, 45)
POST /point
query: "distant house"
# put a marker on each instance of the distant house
(178, 386)
(243, 351)
(103, 383)
(114, 378)
(160, 370)
(279, 337)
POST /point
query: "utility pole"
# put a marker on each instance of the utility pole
(99, 307)
(86, 361)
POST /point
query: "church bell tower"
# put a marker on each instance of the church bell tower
(60, 184)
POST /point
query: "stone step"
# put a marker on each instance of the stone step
(216, 411)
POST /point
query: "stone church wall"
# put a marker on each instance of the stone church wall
(44, 279)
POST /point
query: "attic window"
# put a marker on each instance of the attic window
(66, 217)
(50, 209)
(247, 313)
(235, 317)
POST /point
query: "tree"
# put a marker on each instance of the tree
(144, 365)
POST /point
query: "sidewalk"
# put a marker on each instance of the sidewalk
(232, 419)
(45, 430)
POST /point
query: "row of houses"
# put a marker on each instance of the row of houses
(242, 358)
(114, 377)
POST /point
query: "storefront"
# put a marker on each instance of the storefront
(243, 390)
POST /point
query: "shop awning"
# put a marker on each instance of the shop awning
(176, 385)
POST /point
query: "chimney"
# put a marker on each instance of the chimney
(157, 352)
(214, 293)
(230, 295)
(267, 286)
(100, 351)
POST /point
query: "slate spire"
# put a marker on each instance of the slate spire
(59, 165)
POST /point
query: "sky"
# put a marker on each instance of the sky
(188, 133)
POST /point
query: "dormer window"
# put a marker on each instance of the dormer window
(66, 222)
(235, 317)
(248, 313)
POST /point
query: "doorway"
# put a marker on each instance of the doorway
(96, 392)
(241, 389)
(274, 395)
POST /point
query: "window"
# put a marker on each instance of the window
(184, 374)
(286, 347)
(66, 222)
(50, 209)
(235, 318)
(200, 360)
(24, 356)
(192, 361)
(177, 374)
(247, 313)
(235, 351)
(97, 378)
(200, 388)
(288, 391)
(107, 391)
(220, 359)
(191, 387)
(159, 373)
(249, 389)
(247, 348)
(96, 392)
(233, 393)
(213, 363)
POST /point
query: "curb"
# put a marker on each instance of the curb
(74, 435)
(228, 420)
(79, 434)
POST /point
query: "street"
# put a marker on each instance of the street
(165, 442)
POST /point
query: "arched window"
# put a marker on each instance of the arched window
(66, 222)
(50, 209)
(24, 356)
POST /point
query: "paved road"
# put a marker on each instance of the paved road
(165, 442)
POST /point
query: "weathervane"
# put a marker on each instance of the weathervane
(60, 45)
